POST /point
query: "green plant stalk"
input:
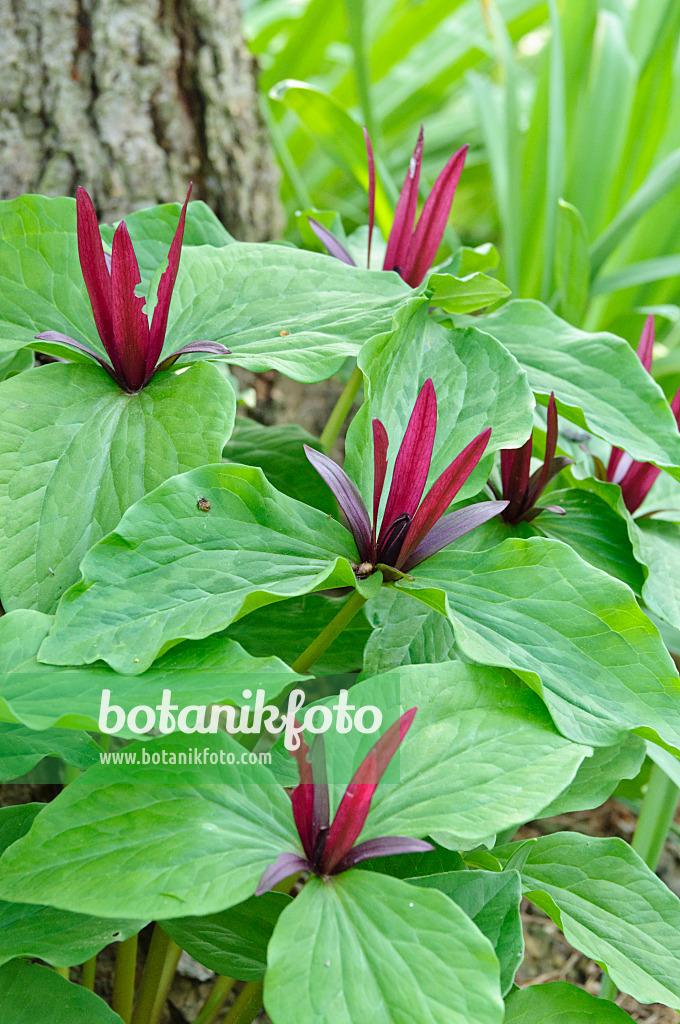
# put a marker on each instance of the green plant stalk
(341, 410)
(64, 972)
(356, 22)
(215, 1001)
(89, 971)
(157, 976)
(284, 155)
(124, 978)
(247, 1005)
(329, 633)
(654, 821)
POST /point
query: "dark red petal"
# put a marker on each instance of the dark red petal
(334, 246)
(517, 483)
(442, 493)
(405, 213)
(645, 349)
(349, 499)
(371, 193)
(385, 846)
(432, 223)
(413, 461)
(675, 407)
(284, 865)
(614, 460)
(95, 272)
(130, 325)
(302, 799)
(351, 815)
(539, 480)
(451, 527)
(556, 466)
(380, 445)
(622, 465)
(159, 321)
(637, 483)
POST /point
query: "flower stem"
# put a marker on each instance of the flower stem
(124, 979)
(157, 976)
(656, 817)
(247, 1005)
(329, 633)
(89, 971)
(215, 1001)
(65, 972)
(341, 410)
(356, 25)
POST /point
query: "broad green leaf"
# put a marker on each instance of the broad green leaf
(21, 748)
(234, 942)
(279, 308)
(279, 452)
(366, 946)
(40, 696)
(599, 775)
(491, 899)
(481, 754)
(15, 362)
(558, 1002)
(570, 631)
(477, 260)
(599, 382)
(611, 907)
(405, 634)
(57, 936)
(153, 229)
(255, 547)
(76, 452)
(33, 994)
(290, 626)
(572, 269)
(465, 294)
(156, 840)
(478, 385)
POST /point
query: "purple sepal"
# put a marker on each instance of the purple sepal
(349, 499)
(386, 846)
(284, 865)
(451, 527)
(536, 511)
(213, 348)
(334, 246)
(64, 339)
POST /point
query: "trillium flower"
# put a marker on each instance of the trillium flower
(520, 486)
(411, 248)
(636, 478)
(329, 846)
(133, 346)
(410, 530)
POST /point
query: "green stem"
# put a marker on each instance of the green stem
(89, 971)
(656, 816)
(215, 1001)
(124, 978)
(341, 410)
(282, 151)
(329, 633)
(65, 972)
(356, 23)
(247, 1005)
(159, 970)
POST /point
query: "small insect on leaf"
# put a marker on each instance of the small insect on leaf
(203, 504)
(283, 334)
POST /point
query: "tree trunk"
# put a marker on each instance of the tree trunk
(132, 99)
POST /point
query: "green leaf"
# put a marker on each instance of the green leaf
(15, 362)
(572, 267)
(278, 451)
(558, 1002)
(476, 261)
(76, 452)
(570, 631)
(367, 943)
(599, 775)
(478, 385)
(290, 626)
(21, 749)
(611, 907)
(279, 308)
(33, 994)
(491, 899)
(469, 718)
(465, 294)
(145, 840)
(599, 382)
(255, 547)
(234, 942)
(405, 633)
(40, 696)
(153, 229)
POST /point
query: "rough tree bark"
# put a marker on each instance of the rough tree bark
(132, 98)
